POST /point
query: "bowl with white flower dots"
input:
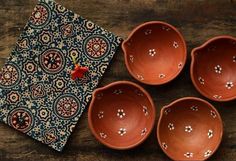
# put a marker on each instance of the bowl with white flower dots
(213, 68)
(189, 129)
(121, 115)
(155, 53)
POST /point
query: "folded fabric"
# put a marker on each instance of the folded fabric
(38, 96)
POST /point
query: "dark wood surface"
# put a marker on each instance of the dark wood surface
(198, 20)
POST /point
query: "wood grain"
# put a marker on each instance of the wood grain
(198, 20)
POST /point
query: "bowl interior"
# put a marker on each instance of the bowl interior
(190, 130)
(122, 116)
(156, 53)
(214, 69)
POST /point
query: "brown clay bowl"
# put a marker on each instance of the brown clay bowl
(213, 68)
(189, 129)
(155, 53)
(121, 115)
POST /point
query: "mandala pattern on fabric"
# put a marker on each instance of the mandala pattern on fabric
(10, 76)
(66, 106)
(13, 97)
(37, 91)
(30, 67)
(52, 61)
(44, 114)
(23, 44)
(21, 119)
(45, 37)
(50, 136)
(67, 30)
(40, 17)
(96, 46)
(38, 95)
(59, 84)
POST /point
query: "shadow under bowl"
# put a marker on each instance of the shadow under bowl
(121, 115)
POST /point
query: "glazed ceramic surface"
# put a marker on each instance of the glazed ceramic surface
(213, 68)
(121, 115)
(155, 53)
(189, 129)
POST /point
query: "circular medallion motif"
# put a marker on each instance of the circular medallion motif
(52, 61)
(96, 46)
(21, 119)
(9, 76)
(40, 16)
(66, 106)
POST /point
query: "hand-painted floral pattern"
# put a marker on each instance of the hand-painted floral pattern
(39, 97)
(52, 61)
(20, 119)
(10, 76)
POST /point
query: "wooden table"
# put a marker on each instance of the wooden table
(198, 20)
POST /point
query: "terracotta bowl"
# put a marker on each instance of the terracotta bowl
(121, 115)
(189, 129)
(155, 53)
(213, 68)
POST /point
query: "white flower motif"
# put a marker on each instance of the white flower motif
(217, 96)
(188, 129)
(218, 69)
(234, 59)
(120, 113)
(152, 52)
(165, 28)
(99, 96)
(138, 92)
(175, 44)
(118, 91)
(131, 58)
(207, 153)
(180, 65)
(100, 114)
(103, 135)
(164, 145)
(210, 133)
(148, 32)
(168, 110)
(144, 131)
(140, 77)
(162, 75)
(145, 110)
(229, 85)
(194, 108)
(213, 114)
(188, 155)
(201, 80)
(171, 126)
(122, 131)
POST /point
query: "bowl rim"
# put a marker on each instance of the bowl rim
(147, 95)
(193, 56)
(137, 28)
(184, 99)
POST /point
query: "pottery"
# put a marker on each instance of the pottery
(155, 53)
(121, 115)
(189, 129)
(213, 68)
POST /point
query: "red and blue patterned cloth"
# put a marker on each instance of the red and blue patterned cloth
(38, 96)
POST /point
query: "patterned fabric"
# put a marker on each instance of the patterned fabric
(38, 96)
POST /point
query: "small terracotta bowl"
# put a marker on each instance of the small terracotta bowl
(213, 68)
(155, 53)
(121, 115)
(189, 129)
